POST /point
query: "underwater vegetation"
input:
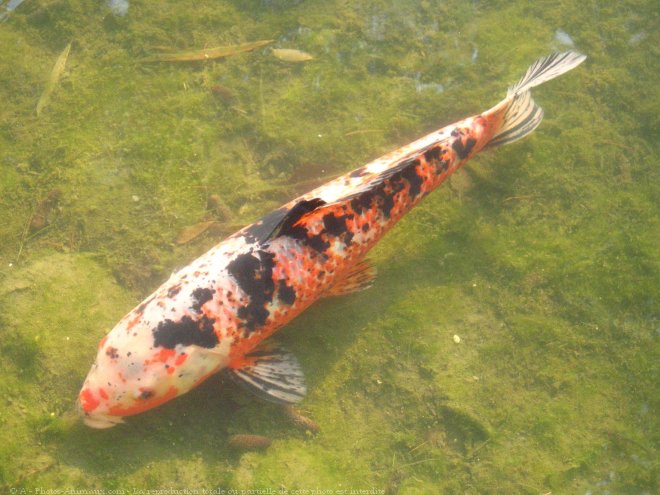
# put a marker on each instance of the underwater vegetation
(542, 258)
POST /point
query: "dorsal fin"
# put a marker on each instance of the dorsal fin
(281, 219)
(299, 210)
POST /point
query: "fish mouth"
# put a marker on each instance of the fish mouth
(98, 421)
(101, 421)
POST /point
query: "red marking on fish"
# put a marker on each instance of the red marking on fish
(88, 401)
(144, 405)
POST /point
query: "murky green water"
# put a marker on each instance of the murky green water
(542, 256)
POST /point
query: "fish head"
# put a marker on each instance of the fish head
(137, 368)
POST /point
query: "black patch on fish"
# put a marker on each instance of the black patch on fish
(300, 233)
(386, 204)
(348, 238)
(358, 172)
(200, 297)
(414, 180)
(173, 291)
(318, 244)
(365, 227)
(254, 275)
(442, 167)
(335, 225)
(469, 144)
(433, 154)
(386, 191)
(111, 352)
(146, 394)
(390, 183)
(463, 150)
(285, 293)
(186, 332)
(362, 202)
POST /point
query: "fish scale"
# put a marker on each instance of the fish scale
(217, 312)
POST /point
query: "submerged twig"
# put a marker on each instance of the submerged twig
(362, 131)
(55, 74)
(418, 462)
(207, 53)
(418, 446)
(192, 232)
(24, 236)
(523, 196)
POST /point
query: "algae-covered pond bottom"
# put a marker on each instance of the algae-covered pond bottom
(540, 257)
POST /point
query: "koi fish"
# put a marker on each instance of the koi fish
(216, 313)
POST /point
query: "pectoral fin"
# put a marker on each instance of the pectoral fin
(272, 373)
(361, 277)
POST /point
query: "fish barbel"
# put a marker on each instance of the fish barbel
(216, 313)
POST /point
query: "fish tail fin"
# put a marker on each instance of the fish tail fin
(519, 114)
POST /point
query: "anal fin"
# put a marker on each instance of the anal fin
(271, 373)
(361, 277)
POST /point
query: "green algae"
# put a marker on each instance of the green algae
(541, 256)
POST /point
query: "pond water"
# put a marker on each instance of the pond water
(510, 341)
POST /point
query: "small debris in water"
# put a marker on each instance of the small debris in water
(118, 7)
(562, 37)
(457, 339)
(291, 55)
(249, 442)
(300, 421)
(636, 38)
(40, 218)
(420, 86)
(223, 92)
